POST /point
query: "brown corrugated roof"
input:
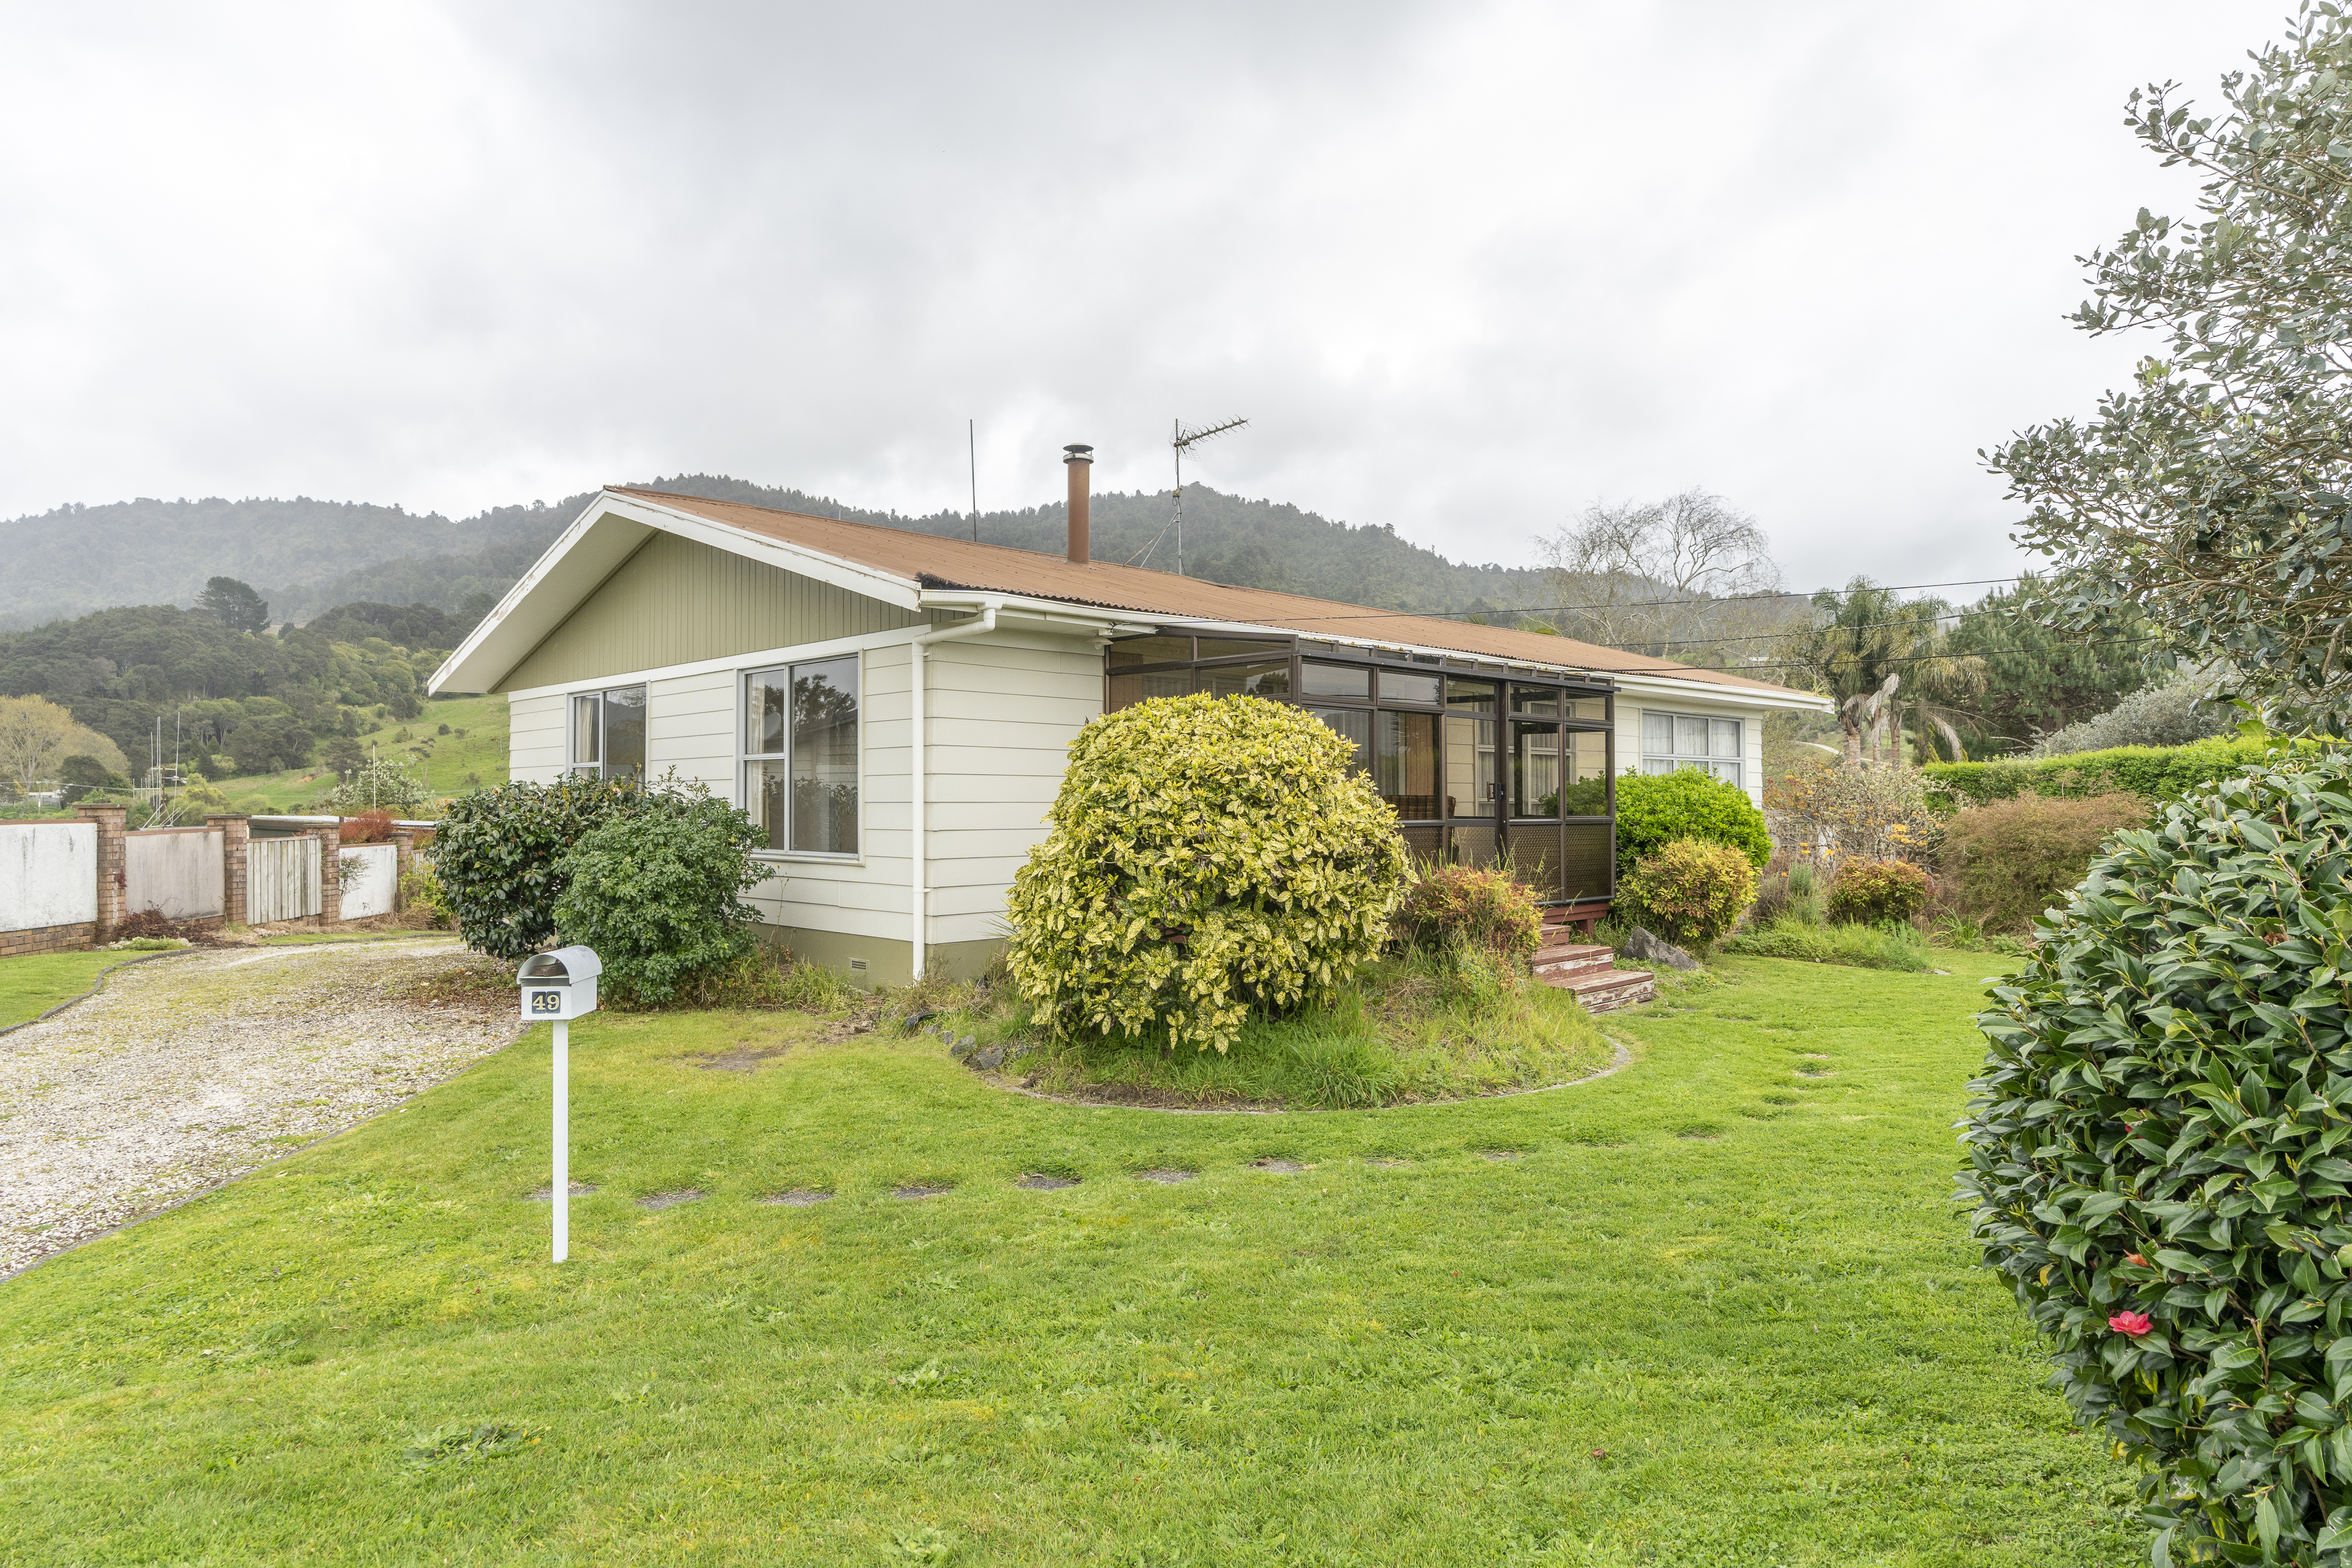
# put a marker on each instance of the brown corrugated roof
(938, 562)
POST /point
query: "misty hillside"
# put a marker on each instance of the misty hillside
(307, 556)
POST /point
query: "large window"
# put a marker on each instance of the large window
(800, 762)
(608, 733)
(1479, 766)
(1672, 740)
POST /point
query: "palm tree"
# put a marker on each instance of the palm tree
(1886, 659)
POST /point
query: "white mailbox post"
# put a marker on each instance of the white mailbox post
(557, 987)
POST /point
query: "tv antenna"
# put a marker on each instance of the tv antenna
(971, 450)
(1184, 441)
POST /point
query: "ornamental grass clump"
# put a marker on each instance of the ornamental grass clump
(1208, 856)
(2157, 1160)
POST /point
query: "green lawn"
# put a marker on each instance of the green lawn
(446, 760)
(1713, 1309)
(31, 986)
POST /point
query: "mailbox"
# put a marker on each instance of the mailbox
(559, 985)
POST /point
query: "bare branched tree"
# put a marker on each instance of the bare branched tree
(1679, 579)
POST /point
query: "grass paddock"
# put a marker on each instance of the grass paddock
(1715, 1309)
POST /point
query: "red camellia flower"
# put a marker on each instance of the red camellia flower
(2131, 1323)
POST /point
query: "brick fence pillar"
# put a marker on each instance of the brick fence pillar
(113, 874)
(237, 838)
(331, 874)
(403, 841)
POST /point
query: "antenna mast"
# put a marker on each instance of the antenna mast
(1184, 440)
(971, 446)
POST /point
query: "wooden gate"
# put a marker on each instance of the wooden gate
(282, 879)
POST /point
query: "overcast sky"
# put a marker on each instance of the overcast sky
(1466, 268)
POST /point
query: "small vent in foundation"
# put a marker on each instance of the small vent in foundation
(858, 966)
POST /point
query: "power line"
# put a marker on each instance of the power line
(1908, 659)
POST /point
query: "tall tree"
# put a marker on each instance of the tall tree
(1884, 660)
(234, 604)
(1688, 578)
(36, 736)
(2213, 497)
(2039, 681)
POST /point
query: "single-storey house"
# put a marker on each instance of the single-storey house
(893, 708)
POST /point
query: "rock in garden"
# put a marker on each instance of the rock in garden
(1640, 944)
(989, 1060)
(961, 1049)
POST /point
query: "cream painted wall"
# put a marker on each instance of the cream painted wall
(1751, 740)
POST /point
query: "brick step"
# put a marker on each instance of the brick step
(1605, 990)
(1571, 958)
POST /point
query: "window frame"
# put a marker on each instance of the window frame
(745, 757)
(1644, 755)
(571, 769)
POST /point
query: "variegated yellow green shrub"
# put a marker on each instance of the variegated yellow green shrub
(1208, 855)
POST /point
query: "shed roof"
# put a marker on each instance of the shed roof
(929, 560)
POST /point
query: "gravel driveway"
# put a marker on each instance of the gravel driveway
(185, 1072)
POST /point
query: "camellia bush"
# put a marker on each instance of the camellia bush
(1208, 855)
(499, 857)
(656, 890)
(1689, 892)
(2157, 1160)
(1653, 809)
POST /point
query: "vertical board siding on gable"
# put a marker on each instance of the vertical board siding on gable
(1004, 711)
(678, 602)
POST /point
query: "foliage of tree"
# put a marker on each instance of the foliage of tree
(234, 604)
(2213, 495)
(2036, 680)
(1687, 890)
(2180, 707)
(1653, 809)
(1208, 856)
(383, 782)
(657, 890)
(401, 625)
(498, 854)
(1688, 578)
(36, 738)
(2156, 1161)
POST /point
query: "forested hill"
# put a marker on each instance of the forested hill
(305, 555)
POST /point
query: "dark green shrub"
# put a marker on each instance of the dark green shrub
(2157, 1160)
(1209, 856)
(2006, 862)
(1653, 809)
(1877, 893)
(657, 891)
(1689, 892)
(1479, 906)
(498, 857)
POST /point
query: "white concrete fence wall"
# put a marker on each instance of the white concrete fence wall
(176, 872)
(48, 874)
(371, 880)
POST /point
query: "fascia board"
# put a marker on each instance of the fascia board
(872, 583)
(1709, 691)
(583, 556)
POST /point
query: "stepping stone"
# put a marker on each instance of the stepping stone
(1278, 1166)
(1501, 1155)
(1166, 1176)
(799, 1198)
(914, 1192)
(658, 1201)
(1037, 1183)
(1387, 1165)
(547, 1194)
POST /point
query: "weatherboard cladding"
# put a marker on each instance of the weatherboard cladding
(936, 562)
(675, 601)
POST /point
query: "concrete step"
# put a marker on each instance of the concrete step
(1604, 991)
(1571, 958)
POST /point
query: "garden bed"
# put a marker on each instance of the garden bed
(1415, 1028)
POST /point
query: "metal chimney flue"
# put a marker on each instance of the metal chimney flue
(1081, 462)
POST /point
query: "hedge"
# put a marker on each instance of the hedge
(2154, 773)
